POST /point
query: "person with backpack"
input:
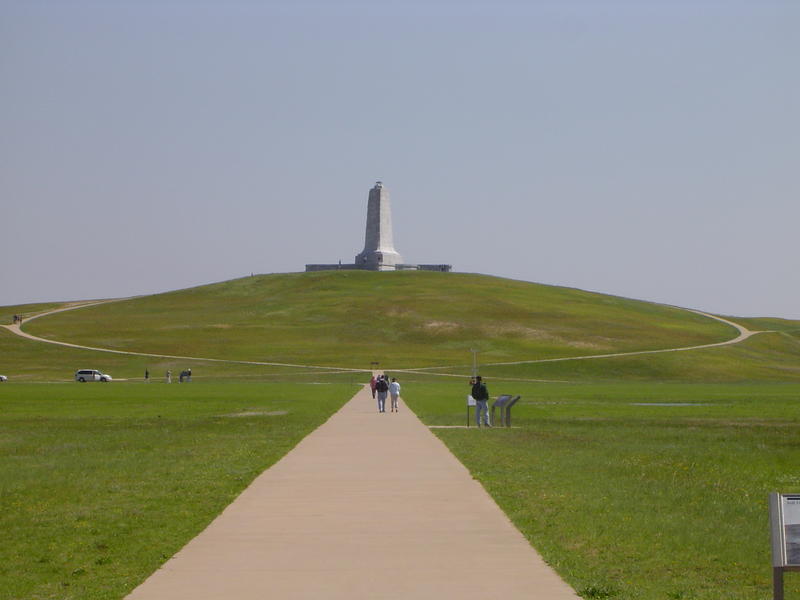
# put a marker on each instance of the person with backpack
(382, 388)
(481, 395)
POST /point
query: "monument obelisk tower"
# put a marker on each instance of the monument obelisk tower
(379, 253)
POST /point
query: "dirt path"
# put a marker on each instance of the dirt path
(369, 506)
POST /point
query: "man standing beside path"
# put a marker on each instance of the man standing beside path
(481, 395)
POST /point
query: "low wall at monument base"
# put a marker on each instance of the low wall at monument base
(337, 267)
(342, 267)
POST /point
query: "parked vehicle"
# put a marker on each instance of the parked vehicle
(85, 375)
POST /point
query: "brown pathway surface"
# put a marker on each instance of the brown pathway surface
(369, 506)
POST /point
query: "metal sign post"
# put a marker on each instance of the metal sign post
(784, 519)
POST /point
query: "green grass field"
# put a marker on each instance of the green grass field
(100, 484)
(637, 477)
(631, 495)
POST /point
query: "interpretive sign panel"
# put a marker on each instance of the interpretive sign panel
(791, 528)
(470, 401)
(785, 521)
(502, 400)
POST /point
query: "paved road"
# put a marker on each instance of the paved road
(369, 506)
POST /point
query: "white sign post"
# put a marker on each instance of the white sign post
(784, 518)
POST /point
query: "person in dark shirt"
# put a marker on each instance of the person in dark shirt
(382, 387)
(481, 395)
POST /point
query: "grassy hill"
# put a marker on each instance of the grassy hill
(403, 319)
(664, 456)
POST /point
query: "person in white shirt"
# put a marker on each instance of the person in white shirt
(394, 392)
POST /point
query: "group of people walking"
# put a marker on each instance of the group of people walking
(381, 387)
(17, 319)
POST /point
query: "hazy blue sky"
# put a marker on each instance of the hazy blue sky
(645, 149)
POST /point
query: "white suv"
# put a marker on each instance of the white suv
(85, 375)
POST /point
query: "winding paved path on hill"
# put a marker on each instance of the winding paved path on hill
(368, 506)
(16, 328)
(744, 334)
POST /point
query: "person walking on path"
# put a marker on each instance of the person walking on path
(372, 383)
(394, 393)
(382, 387)
(481, 395)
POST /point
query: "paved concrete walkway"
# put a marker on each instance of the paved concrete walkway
(369, 506)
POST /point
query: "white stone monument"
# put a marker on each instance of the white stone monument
(379, 253)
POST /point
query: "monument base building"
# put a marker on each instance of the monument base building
(379, 253)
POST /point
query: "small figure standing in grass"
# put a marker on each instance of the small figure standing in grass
(481, 395)
(147, 375)
(394, 393)
(382, 387)
(169, 376)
